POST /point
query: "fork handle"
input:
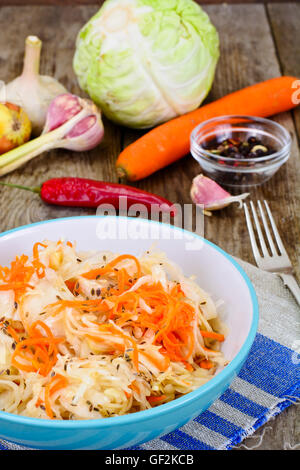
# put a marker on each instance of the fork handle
(292, 284)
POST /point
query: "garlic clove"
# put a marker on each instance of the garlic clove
(211, 196)
(90, 129)
(61, 110)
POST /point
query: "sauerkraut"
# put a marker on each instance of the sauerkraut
(86, 335)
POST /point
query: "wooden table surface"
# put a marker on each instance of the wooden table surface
(258, 41)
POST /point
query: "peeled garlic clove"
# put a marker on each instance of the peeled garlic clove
(210, 195)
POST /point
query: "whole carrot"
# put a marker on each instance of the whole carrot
(170, 141)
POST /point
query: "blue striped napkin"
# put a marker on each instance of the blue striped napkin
(267, 384)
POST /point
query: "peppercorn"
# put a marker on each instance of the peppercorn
(239, 149)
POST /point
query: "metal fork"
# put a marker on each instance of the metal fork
(278, 261)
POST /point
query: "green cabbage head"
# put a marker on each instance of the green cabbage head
(146, 61)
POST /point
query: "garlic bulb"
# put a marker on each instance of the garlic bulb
(71, 123)
(31, 91)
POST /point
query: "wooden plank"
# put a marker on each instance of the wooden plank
(285, 21)
(58, 30)
(281, 433)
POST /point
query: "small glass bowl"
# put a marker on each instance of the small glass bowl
(240, 172)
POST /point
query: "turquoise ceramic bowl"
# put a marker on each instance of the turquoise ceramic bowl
(216, 271)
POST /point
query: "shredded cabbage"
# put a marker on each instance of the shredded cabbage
(87, 335)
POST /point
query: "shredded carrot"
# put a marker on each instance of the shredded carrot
(12, 333)
(171, 319)
(100, 271)
(33, 330)
(14, 286)
(156, 399)
(134, 386)
(70, 283)
(212, 335)
(121, 280)
(188, 366)
(57, 383)
(93, 305)
(38, 353)
(17, 277)
(206, 364)
(161, 365)
(39, 267)
(39, 402)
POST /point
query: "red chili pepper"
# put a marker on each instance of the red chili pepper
(82, 192)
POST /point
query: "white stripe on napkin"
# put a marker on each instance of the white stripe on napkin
(253, 393)
(157, 444)
(231, 414)
(203, 434)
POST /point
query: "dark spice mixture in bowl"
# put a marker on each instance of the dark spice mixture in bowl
(240, 151)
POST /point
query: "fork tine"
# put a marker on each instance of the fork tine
(275, 231)
(267, 230)
(251, 234)
(259, 232)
